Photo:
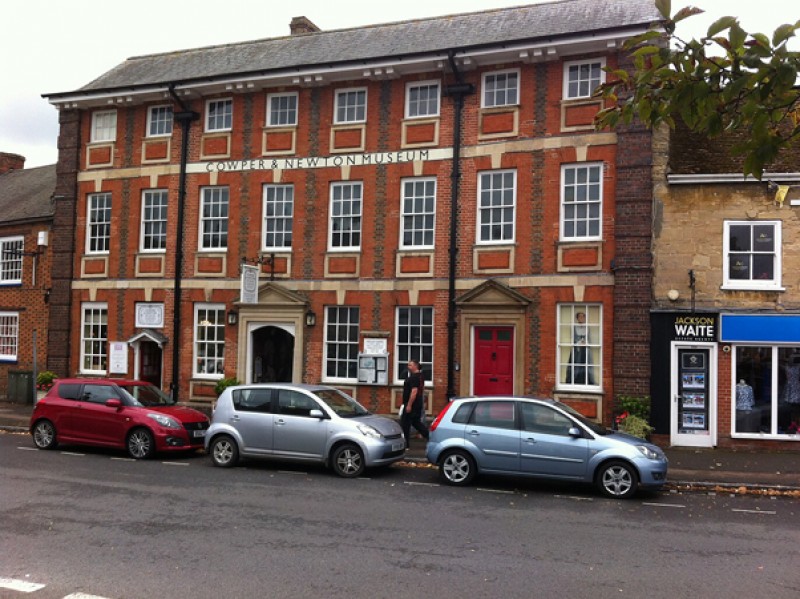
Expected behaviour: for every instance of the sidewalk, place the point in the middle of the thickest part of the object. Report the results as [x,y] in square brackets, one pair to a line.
[687,467]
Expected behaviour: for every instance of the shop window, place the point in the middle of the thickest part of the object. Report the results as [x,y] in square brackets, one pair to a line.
[209,340]
[159,121]
[752,255]
[580,349]
[766,396]
[500,89]
[582,78]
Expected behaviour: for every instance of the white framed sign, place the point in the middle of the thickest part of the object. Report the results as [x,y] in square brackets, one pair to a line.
[249,285]
[150,315]
[117,357]
[373,345]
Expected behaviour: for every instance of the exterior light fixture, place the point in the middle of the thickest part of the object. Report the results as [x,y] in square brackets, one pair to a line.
[233,317]
[311,318]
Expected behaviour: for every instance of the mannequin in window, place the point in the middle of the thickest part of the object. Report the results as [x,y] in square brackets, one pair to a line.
[791,393]
[579,371]
[745,399]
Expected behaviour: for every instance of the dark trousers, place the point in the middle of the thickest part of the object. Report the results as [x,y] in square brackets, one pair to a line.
[415,418]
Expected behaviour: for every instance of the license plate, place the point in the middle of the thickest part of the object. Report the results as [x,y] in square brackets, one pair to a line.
[398,445]
[198,433]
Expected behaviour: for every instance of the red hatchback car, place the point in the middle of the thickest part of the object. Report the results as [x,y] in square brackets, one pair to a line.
[131,415]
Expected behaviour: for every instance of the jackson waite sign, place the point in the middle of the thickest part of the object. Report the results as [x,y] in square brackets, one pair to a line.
[695,327]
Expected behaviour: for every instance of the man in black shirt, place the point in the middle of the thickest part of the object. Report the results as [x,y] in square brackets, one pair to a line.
[413,402]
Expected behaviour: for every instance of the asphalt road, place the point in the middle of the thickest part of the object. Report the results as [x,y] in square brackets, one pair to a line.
[86,521]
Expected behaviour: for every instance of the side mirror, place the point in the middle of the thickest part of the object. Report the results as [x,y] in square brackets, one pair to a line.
[113,403]
[316,414]
[575,432]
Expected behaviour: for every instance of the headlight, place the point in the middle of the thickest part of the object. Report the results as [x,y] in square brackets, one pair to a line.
[165,421]
[369,431]
[648,453]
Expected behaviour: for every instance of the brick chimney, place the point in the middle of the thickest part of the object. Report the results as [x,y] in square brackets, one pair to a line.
[10,162]
[302,25]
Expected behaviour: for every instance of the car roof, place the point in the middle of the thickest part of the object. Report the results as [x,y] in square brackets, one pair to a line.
[552,402]
[298,386]
[82,381]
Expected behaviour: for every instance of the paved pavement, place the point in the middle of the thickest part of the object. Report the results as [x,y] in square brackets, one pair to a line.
[778,470]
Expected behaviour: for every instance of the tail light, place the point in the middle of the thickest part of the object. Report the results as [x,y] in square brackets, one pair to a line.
[436,422]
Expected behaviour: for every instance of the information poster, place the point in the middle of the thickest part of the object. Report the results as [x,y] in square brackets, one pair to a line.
[693,396]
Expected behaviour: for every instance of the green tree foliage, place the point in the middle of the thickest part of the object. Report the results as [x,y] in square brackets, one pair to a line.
[728,80]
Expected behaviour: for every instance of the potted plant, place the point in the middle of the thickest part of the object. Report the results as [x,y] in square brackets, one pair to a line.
[44,382]
[223,383]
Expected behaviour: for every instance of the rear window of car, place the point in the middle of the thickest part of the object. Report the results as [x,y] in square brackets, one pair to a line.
[252,400]
[68,390]
[497,414]
[463,413]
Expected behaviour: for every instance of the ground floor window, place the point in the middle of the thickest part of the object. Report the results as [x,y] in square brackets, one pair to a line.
[209,340]
[414,340]
[766,395]
[579,345]
[9,336]
[341,343]
[94,338]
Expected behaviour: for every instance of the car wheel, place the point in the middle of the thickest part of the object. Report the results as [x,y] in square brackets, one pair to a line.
[224,452]
[457,468]
[347,461]
[140,444]
[44,435]
[617,479]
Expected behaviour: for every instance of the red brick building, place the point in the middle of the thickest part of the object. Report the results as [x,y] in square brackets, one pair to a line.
[327,160]
[26,215]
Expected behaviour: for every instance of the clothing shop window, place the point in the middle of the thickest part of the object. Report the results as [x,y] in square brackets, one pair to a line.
[94,338]
[278,217]
[752,255]
[282,110]
[581,201]
[767,392]
[580,354]
[159,121]
[345,220]
[219,115]
[500,89]
[422,99]
[341,343]
[98,235]
[11,260]
[214,218]
[9,336]
[209,340]
[104,126]
[414,337]
[497,191]
[581,79]
[351,106]
[154,220]
[418,213]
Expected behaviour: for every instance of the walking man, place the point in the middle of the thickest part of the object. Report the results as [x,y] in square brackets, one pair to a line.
[413,402]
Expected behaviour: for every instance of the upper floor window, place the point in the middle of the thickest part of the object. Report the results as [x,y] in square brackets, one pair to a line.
[154,220]
[282,110]
[9,336]
[341,343]
[159,121]
[580,345]
[497,191]
[581,78]
[351,106]
[98,227]
[414,340]
[581,201]
[94,338]
[11,260]
[500,89]
[345,220]
[278,216]
[214,218]
[752,255]
[418,213]
[422,99]
[209,340]
[104,126]
[219,115]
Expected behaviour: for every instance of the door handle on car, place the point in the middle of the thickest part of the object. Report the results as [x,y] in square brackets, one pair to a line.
[234,418]
[474,433]
[280,421]
[530,440]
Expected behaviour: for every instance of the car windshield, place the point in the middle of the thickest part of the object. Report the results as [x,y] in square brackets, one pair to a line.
[598,429]
[147,395]
[344,405]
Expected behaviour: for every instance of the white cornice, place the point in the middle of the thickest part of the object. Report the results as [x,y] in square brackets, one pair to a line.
[711,178]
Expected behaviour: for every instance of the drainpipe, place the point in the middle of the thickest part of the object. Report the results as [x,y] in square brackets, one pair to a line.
[185,117]
[457,91]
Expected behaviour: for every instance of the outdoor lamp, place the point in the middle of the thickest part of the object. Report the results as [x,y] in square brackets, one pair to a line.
[311,318]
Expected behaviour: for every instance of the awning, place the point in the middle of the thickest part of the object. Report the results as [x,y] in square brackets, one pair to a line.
[148,335]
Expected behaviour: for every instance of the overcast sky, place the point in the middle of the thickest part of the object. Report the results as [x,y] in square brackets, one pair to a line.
[60,45]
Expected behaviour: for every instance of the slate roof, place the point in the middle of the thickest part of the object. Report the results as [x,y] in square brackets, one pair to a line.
[25,194]
[400,39]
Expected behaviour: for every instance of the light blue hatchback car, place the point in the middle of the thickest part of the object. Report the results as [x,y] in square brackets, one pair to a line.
[524,436]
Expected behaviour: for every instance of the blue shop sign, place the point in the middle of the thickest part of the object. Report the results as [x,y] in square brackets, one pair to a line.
[760,328]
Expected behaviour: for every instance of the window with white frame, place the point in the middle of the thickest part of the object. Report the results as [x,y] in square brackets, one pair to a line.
[104,126]
[341,343]
[159,121]
[11,249]
[154,220]
[500,89]
[98,225]
[94,338]
[580,346]
[214,218]
[209,340]
[9,336]
[497,191]
[582,78]
[278,217]
[581,201]
[219,115]
[752,255]
[422,99]
[351,106]
[345,233]
[418,205]
[414,340]
[282,110]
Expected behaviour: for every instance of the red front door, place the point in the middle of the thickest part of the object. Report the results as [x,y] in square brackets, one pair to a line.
[494,361]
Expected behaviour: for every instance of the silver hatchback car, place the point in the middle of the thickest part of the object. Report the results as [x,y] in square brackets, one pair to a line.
[302,423]
[539,438]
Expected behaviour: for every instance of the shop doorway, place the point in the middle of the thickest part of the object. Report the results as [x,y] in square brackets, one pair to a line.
[693,414]
[272,355]
[494,361]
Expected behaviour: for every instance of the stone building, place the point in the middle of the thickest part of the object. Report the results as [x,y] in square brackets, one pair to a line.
[26,215]
[726,317]
[431,189]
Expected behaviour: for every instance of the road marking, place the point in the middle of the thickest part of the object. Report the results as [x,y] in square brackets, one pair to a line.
[72,453]
[574,497]
[675,505]
[124,459]
[765,512]
[176,463]
[23,586]
[83,596]
[292,472]
[416,484]
[28,448]
[500,491]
